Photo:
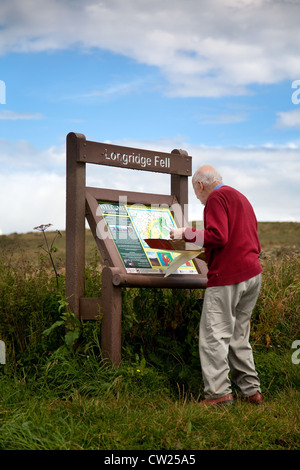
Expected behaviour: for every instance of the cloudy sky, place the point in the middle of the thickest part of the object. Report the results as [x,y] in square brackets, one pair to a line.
[218,78]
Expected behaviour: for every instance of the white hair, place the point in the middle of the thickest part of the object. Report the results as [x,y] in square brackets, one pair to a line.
[206,176]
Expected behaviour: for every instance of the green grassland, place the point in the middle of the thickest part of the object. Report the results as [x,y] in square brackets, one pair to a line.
[275,236]
[57,393]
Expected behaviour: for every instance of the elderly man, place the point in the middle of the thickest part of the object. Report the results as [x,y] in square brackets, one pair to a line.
[232,251]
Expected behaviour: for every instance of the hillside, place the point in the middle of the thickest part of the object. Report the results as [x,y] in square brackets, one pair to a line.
[275,237]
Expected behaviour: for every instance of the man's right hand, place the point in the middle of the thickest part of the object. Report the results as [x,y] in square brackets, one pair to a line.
[177,233]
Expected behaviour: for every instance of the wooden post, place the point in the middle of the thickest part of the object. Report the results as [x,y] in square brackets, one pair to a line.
[111,325]
[179,188]
[75,224]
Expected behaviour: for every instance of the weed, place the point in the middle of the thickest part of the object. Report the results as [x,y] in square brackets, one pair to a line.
[50,248]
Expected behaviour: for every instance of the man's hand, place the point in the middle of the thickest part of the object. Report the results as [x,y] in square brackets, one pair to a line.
[177,233]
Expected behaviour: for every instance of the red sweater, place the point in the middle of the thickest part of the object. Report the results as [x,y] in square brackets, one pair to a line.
[231,242]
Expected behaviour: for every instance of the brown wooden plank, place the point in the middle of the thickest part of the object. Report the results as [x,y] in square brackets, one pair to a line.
[176,162]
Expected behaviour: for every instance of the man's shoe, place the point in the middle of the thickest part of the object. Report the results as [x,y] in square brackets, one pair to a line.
[226,400]
[256,399]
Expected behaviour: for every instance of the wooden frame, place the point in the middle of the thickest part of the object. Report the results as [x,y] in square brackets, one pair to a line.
[81,203]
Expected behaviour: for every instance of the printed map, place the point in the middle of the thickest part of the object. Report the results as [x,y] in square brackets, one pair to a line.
[129,226]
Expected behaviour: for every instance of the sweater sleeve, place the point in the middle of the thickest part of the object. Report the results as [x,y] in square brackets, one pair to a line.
[194,236]
[216,224]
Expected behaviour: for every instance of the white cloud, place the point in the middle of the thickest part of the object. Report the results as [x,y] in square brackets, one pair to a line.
[112,91]
[22,156]
[224,118]
[34,192]
[269,176]
[31,199]
[289,118]
[8,115]
[207,48]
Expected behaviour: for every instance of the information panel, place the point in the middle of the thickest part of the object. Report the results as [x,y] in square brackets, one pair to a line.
[129,225]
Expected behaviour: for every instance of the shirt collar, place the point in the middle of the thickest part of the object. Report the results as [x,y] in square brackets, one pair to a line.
[218,186]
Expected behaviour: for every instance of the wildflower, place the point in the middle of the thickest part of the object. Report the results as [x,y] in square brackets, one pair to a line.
[49,248]
[138,370]
[42,227]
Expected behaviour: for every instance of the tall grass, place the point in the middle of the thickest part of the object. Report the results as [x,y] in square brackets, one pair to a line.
[123,420]
[276,317]
[159,324]
[56,392]
[28,304]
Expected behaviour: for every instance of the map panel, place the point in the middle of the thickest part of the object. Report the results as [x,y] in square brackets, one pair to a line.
[129,225]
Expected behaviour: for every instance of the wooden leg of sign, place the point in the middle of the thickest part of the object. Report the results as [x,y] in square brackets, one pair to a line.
[111,325]
[75,224]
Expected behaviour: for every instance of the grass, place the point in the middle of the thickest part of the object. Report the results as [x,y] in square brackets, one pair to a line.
[130,414]
[56,393]
[274,236]
[279,236]
[128,409]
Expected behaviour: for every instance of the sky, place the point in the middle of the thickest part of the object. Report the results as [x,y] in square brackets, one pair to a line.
[217,78]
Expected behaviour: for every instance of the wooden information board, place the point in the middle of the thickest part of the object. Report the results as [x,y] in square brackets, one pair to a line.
[120,222]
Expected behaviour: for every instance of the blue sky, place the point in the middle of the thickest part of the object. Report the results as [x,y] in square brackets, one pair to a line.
[212,77]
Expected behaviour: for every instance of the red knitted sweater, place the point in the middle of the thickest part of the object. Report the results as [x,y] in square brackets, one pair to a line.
[231,242]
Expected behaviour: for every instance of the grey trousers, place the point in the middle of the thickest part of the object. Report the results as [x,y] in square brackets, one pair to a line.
[224,338]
